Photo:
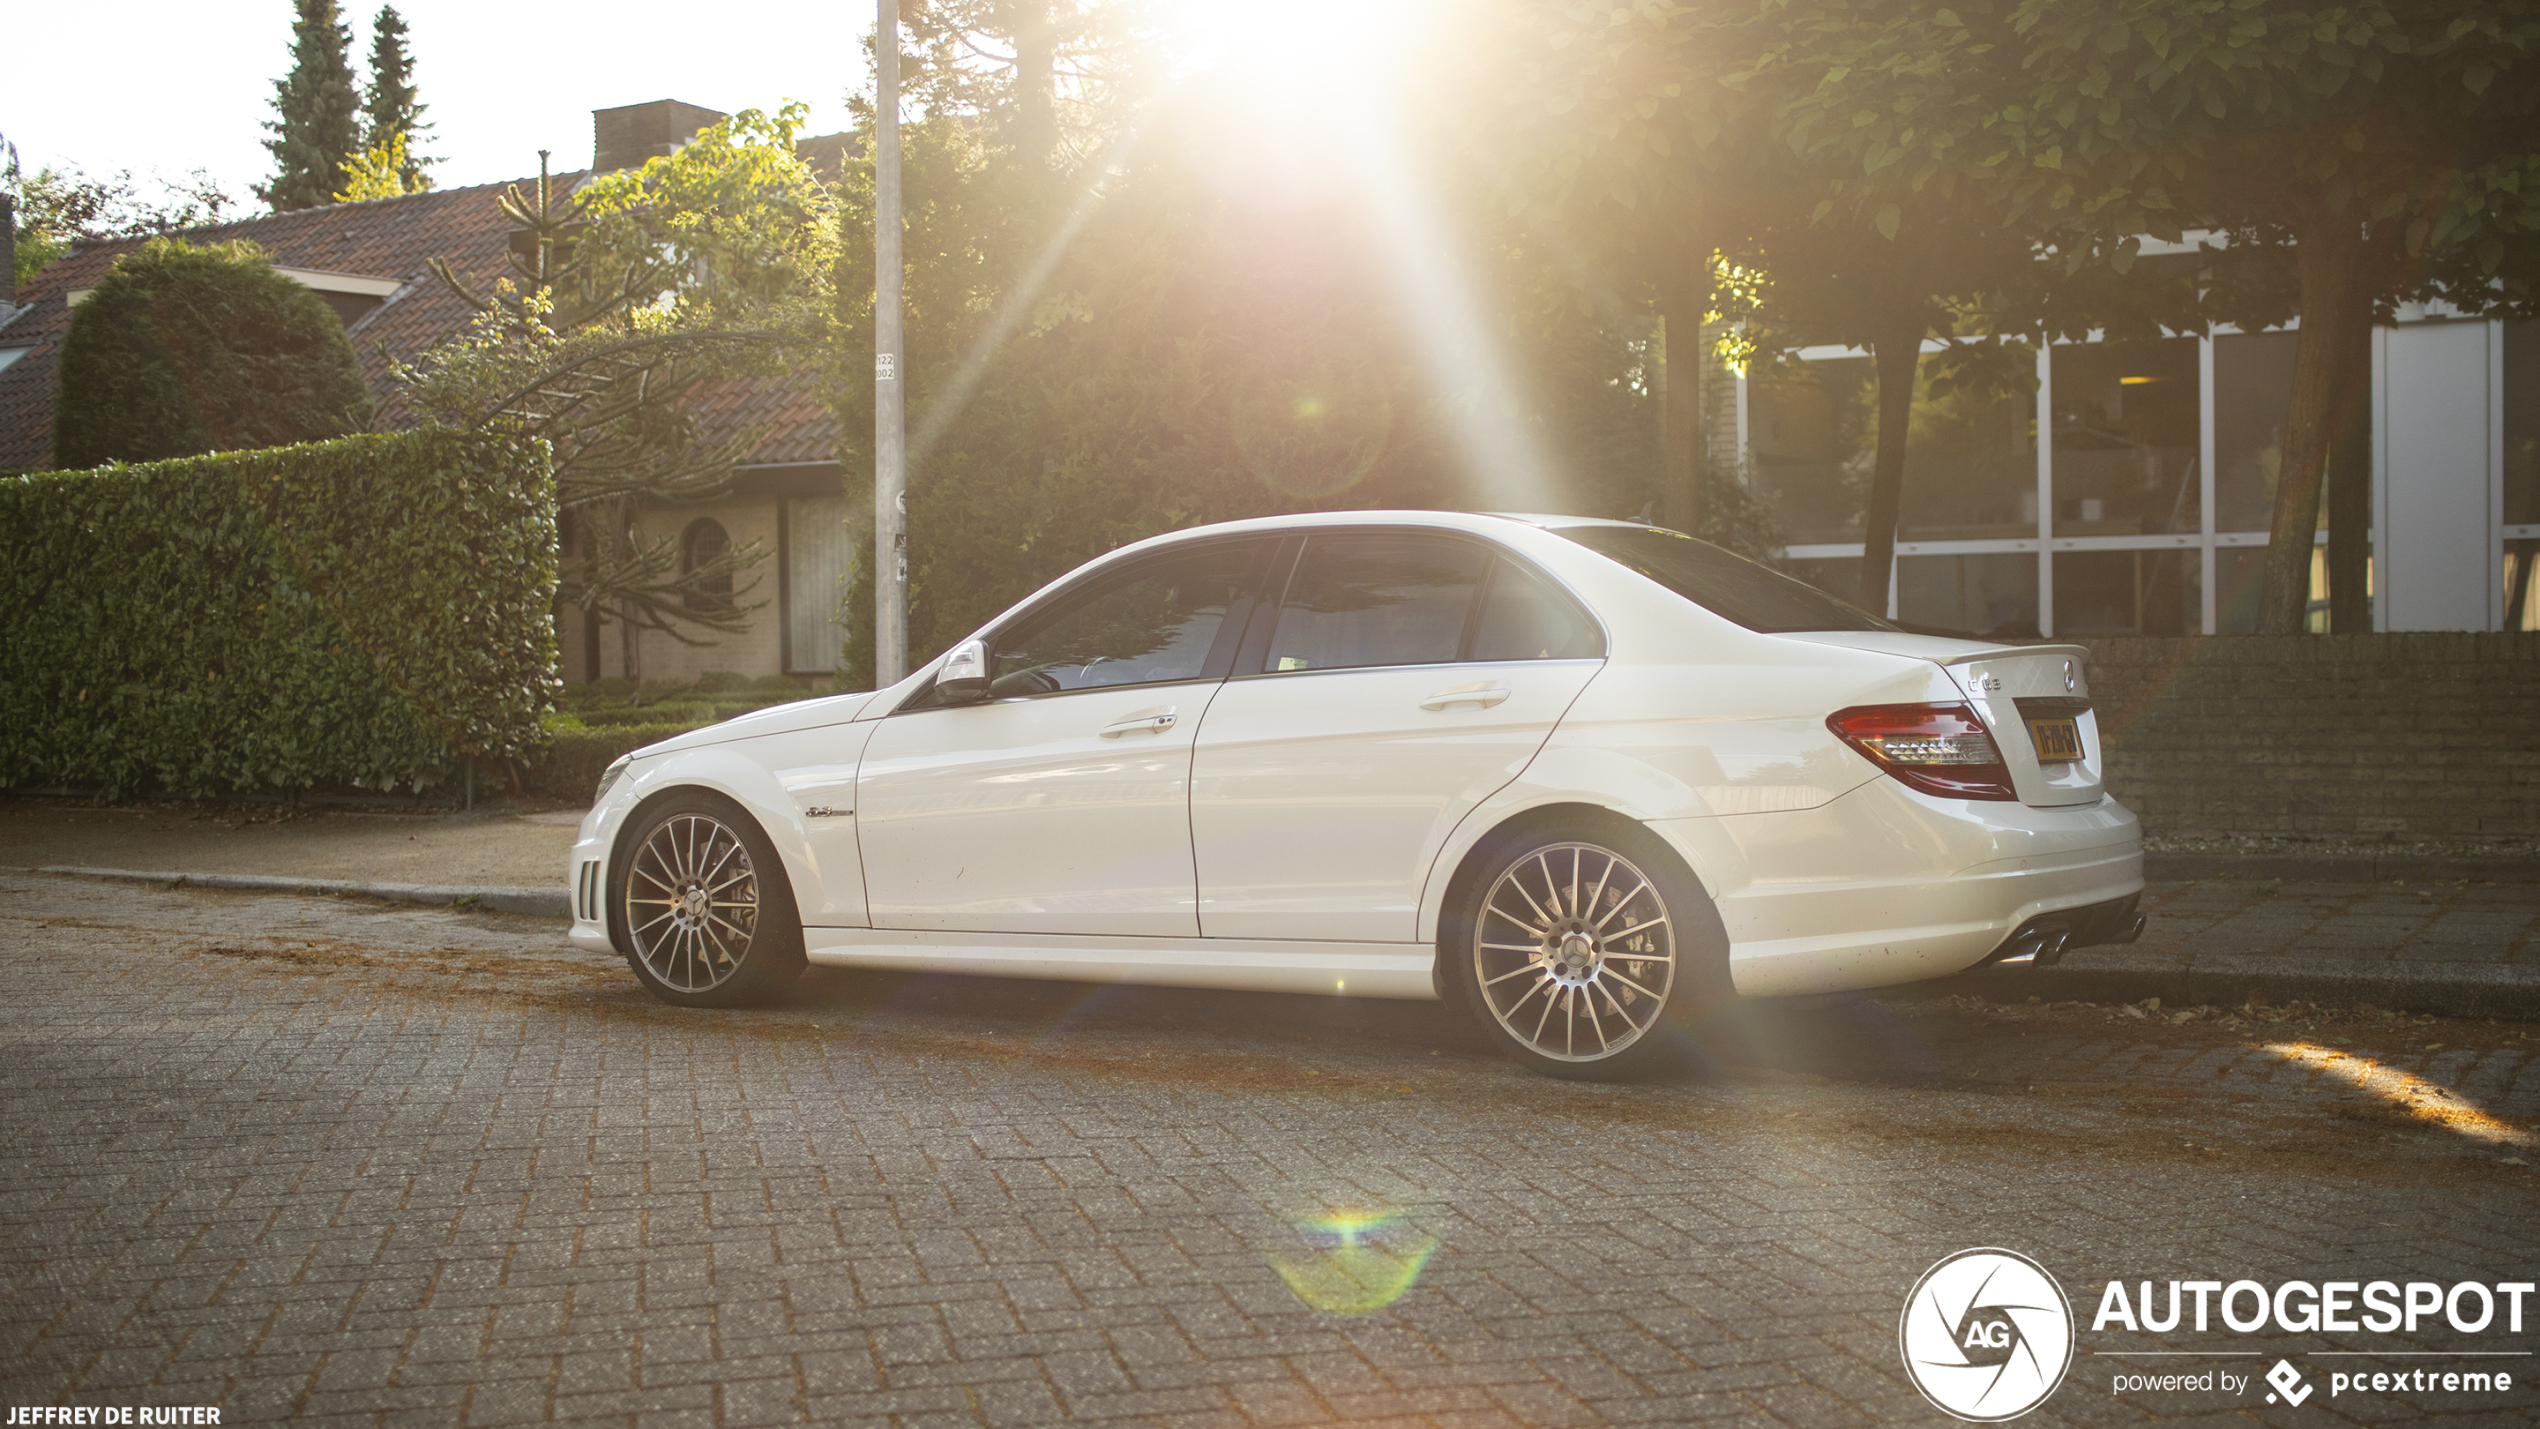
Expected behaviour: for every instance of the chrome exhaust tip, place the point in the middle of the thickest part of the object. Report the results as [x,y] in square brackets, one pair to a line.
[2022,951]
[2051,951]
[2134,929]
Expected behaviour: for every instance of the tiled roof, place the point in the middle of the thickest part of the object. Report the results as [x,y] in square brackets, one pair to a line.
[383,238]
[795,425]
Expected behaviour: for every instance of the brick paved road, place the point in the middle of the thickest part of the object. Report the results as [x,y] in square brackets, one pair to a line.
[296,1157]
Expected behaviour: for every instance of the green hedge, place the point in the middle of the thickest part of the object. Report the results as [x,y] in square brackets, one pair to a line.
[577,757]
[346,612]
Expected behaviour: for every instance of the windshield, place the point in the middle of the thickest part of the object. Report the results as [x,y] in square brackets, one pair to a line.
[1723,582]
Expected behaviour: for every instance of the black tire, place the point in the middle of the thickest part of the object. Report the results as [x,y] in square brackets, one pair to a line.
[1585,948]
[700,905]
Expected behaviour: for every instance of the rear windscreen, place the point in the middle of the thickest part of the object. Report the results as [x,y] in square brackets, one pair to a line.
[1723,582]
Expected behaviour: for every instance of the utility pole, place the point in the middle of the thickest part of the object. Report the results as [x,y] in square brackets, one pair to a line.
[890,419]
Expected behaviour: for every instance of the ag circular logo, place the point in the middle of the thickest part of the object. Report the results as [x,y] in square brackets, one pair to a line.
[1986,1335]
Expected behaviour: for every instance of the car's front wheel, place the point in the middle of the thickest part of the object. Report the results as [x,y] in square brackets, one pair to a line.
[1576,946]
[702,909]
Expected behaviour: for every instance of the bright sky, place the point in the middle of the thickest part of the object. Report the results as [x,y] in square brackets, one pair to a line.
[174,85]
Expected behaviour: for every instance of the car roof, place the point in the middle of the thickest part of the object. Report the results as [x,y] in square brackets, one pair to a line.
[1475,522]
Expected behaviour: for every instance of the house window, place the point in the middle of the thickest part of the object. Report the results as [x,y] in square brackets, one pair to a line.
[700,547]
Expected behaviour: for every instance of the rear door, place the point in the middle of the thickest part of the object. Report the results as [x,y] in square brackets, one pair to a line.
[1401,678]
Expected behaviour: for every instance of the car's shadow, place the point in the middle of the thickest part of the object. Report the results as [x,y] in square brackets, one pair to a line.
[1854,1037]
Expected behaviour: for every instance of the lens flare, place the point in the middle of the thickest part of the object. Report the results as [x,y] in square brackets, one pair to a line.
[1362,1261]
[1312,429]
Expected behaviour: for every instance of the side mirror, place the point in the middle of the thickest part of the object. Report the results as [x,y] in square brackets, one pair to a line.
[964,678]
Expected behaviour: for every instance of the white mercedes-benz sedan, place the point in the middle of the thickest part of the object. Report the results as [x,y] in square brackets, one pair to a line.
[1588,779]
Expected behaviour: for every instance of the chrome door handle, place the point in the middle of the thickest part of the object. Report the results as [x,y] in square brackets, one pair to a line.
[1483,695]
[1142,724]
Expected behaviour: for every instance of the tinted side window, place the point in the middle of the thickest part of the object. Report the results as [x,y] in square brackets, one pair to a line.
[1376,598]
[1523,618]
[1152,622]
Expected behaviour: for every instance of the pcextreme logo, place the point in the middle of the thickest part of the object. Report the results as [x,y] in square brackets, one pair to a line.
[1987,1335]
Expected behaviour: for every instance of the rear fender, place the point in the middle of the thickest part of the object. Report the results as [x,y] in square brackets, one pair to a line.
[1584,779]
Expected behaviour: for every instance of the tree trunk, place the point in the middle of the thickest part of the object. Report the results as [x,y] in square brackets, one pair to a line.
[2350,491]
[1035,81]
[1897,345]
[1684,295]
[2337,273]
[2350,494]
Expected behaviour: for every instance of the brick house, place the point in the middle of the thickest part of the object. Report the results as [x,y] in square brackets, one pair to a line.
[368,261]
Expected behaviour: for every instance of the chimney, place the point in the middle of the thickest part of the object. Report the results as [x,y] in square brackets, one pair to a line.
[625,137]
[8,254]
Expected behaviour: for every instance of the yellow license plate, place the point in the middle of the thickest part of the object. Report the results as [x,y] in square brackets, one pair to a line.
[2058,741]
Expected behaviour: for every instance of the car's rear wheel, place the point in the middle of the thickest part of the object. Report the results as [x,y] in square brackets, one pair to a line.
[702,908]
[1577,945]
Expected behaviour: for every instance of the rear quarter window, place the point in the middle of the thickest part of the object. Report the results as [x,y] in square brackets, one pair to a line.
[1723,582]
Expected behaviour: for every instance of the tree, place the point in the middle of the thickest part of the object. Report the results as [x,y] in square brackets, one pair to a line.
[392,121]
[181,350]
[631,300]
[1054,82]
[381,172]
[1164,335]
[1627,148]
[2367,149]
[1872,242]
[1888,288]
[59,207]
[315,126]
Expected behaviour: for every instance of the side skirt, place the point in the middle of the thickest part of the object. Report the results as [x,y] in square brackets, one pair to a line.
[1393,970]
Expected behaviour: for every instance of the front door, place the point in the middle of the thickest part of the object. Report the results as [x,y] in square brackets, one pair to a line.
[1061,803]
[1408,676]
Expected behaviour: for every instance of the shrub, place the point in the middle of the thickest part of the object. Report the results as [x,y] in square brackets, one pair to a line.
[577,757]
[182,350]
[679,715]
[355,611]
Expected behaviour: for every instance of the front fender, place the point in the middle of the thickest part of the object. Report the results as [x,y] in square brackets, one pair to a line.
[723,769]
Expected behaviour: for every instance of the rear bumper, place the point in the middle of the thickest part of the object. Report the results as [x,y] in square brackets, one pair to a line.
[2043,940]
[1885,885]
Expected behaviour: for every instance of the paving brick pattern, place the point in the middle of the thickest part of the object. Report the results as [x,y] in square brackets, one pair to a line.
[299,1158]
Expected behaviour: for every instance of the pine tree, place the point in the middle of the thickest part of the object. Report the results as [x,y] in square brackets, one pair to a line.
[316,128]
[389,110]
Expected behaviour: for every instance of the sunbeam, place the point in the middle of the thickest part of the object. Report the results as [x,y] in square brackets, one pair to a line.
[2405,1091]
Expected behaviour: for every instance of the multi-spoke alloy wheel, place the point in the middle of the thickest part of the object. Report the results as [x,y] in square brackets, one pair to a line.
[1574,952]
[705,918]
[692,902]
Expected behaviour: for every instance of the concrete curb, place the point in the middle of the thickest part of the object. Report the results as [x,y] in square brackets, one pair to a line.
[2338,867]
[2091,975]
[531,902]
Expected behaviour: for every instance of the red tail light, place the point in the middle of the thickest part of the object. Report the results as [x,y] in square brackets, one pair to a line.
[1939,749]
